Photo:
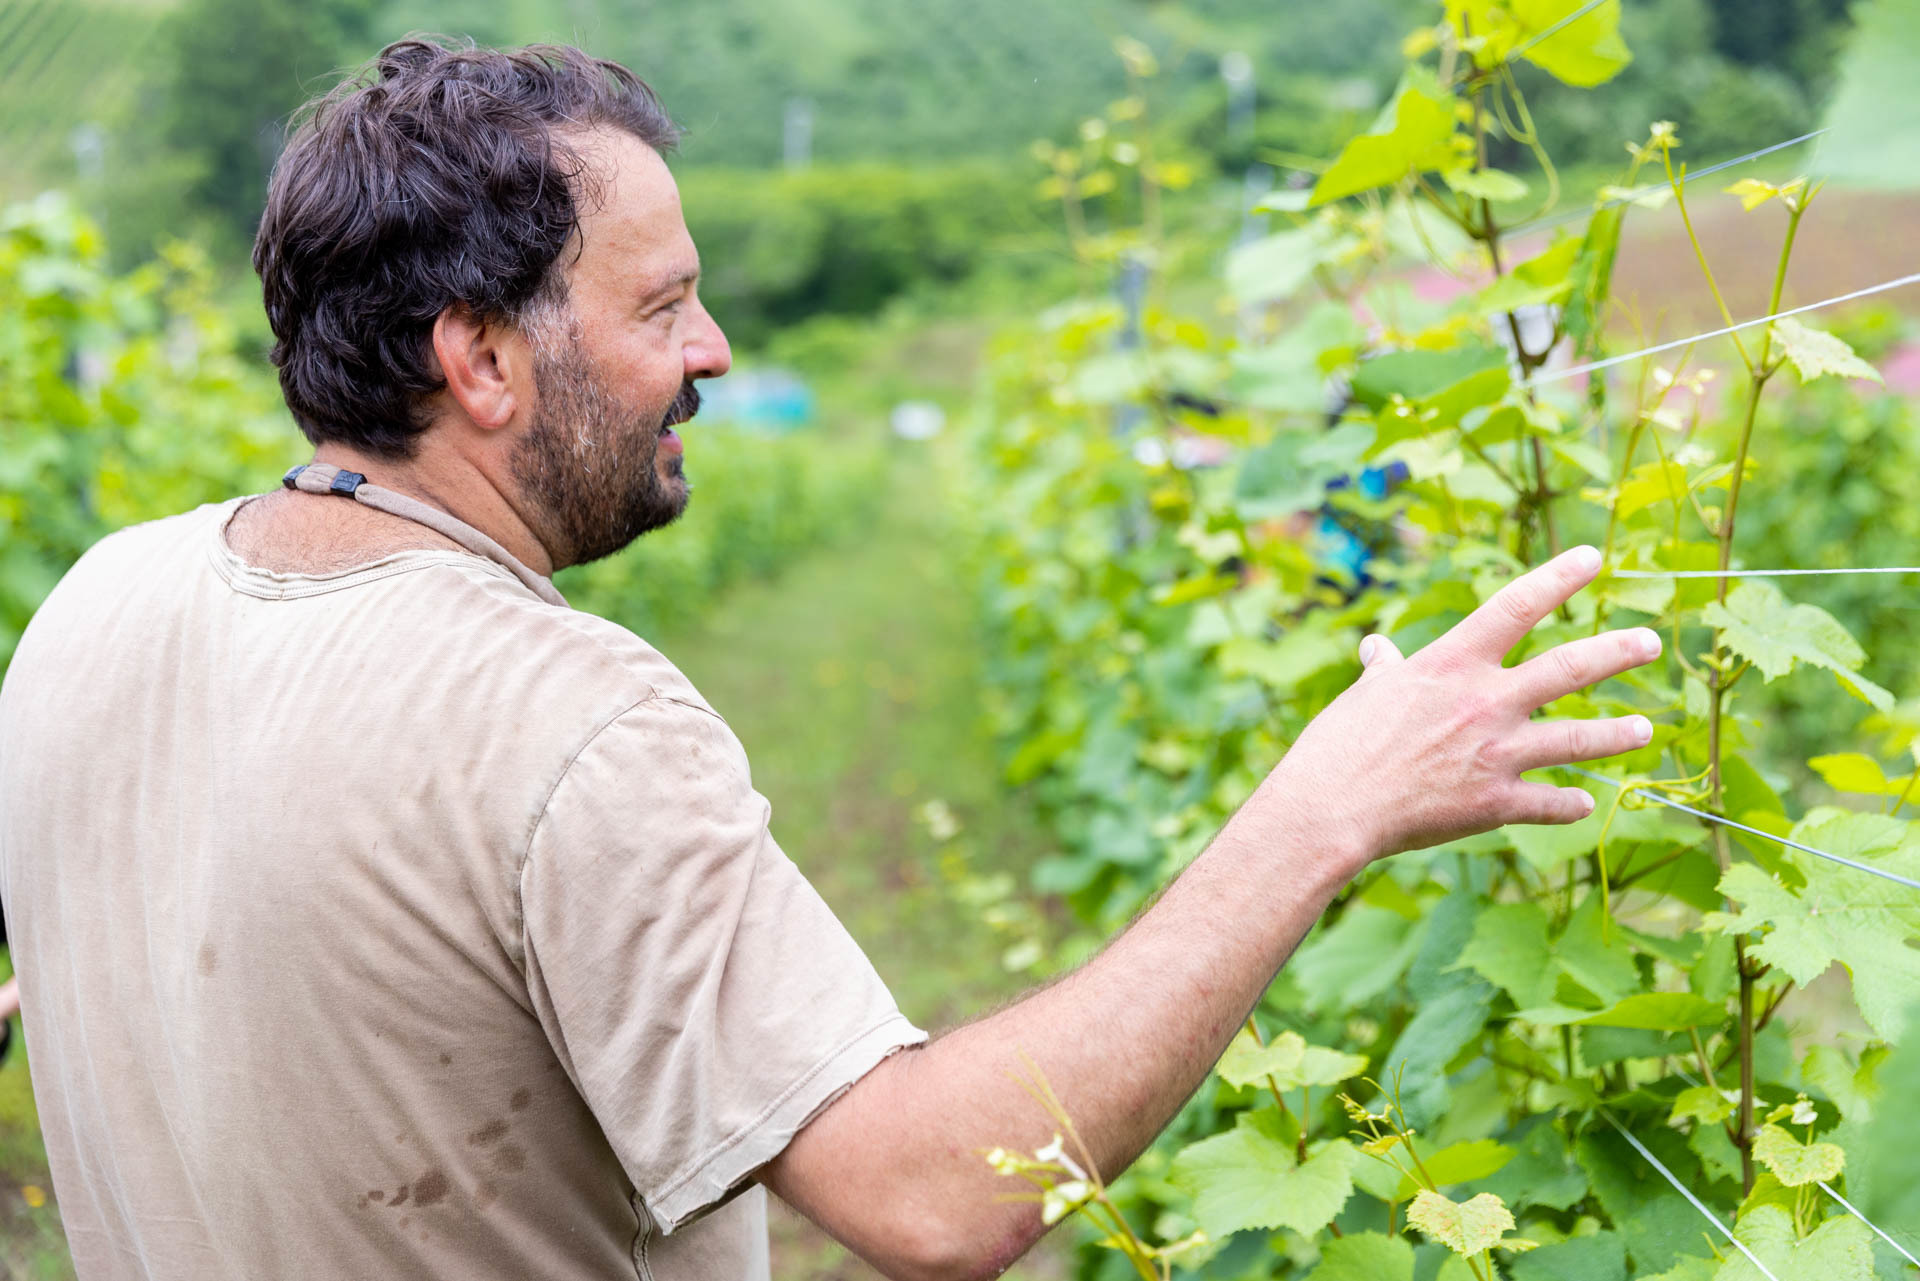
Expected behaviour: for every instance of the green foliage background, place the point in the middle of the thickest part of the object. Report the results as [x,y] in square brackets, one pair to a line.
[126,396]
[1447,1056]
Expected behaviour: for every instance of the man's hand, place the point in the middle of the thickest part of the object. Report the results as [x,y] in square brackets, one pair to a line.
[1419,750]
[1427,749]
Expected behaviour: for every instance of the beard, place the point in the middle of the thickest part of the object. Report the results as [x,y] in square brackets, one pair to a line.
[589,463]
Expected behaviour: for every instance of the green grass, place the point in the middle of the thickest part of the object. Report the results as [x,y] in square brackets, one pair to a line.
[32,1247]
[854,681]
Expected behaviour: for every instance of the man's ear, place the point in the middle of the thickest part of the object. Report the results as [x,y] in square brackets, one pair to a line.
[488,366]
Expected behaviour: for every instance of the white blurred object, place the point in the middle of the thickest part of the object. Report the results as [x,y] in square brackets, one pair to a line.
[1150,451]
[1537,323]
[918,420]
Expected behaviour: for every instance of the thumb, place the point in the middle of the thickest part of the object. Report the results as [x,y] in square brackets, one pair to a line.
[1377,651]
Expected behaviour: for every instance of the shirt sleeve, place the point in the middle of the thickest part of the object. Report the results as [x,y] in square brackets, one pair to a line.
[705,1001]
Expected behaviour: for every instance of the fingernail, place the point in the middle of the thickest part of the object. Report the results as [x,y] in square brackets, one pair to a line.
[1647,641]
[1367,649]
[1585,558]
[1642,730]
[1587,799]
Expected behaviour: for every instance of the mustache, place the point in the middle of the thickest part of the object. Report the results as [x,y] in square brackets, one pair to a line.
[685,405]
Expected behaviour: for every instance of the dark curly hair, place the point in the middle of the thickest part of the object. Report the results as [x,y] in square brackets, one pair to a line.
[438,176]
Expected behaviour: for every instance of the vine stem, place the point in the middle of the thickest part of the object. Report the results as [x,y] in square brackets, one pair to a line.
[1718,682]
[1300,1150]
[1538,503]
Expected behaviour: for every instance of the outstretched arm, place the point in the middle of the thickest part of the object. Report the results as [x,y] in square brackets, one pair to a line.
[1418,751]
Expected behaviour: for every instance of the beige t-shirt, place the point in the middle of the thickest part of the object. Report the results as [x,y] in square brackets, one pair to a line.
[397,923]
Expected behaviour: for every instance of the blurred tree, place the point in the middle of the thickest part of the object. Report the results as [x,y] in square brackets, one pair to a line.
[231,73]
[1727,87]
[1801,34]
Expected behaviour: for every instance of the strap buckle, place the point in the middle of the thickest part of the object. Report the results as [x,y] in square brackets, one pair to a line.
[344,483]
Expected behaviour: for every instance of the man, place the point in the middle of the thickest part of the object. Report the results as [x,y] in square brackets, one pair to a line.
[377,915]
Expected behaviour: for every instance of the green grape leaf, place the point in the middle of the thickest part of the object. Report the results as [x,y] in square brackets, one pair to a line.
[1759,624]
[1414,134]
[1460,1163]
[1450,381]
[1853,772]
[1445,1023]
[1600,1257]
[1485,184]
[1592,282]
[1586,52]
[1365,1256]
[1250,1177]
[1660,1228]
[1548,846]
[1544,278]
[1275,266]
[1288,1061]
[1542,1172]
[1814,352]
[1649,483]
[1659,1012]
[1289,474]
[1754,192]
[1854,1087]
[1463,1227]
[1688,1269]
[1841,915]
[1703,1103]
[1302,652]
[1510,949]
[1840,1249]
[1595,953]
[1794,1163]
[1354,959]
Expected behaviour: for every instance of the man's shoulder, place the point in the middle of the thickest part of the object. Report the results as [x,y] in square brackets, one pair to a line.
[583,643]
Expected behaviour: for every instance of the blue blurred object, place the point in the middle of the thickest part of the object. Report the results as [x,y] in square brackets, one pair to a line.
[1344,541]
[772,400]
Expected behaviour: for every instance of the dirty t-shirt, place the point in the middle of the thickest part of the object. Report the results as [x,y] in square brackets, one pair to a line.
[397,923]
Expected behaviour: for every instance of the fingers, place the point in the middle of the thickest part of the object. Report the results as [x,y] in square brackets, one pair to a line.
[1543,803]
[1510,613]
[1584,662]
[1378,651]
[1545,743]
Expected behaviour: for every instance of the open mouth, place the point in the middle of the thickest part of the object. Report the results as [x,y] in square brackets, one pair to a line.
[684,406]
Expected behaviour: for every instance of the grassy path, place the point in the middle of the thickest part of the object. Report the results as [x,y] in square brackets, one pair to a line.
[854,681]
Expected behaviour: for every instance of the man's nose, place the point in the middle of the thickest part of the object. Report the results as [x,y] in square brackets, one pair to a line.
[707,353]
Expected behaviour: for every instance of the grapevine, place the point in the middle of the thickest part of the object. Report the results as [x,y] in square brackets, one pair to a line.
[1486,1050]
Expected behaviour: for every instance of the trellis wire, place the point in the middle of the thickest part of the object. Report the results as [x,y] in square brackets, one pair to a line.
[1690,175]
[1875,1228]
[1555,375]
[1872,1226]
[1841,859]
[1695,1201]
[1763,573]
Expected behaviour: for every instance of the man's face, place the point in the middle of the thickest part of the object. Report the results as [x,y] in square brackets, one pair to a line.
[614,366]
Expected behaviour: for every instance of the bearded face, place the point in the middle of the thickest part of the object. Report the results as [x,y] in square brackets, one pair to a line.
[599,470]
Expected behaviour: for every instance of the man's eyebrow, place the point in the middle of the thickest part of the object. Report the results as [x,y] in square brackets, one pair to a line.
[689,276]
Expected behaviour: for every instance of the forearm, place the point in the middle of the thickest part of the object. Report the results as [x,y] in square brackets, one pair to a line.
[1123,1042]
[1417,752]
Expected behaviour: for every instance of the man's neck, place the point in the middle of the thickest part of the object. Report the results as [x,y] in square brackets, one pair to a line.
[466,489]
[296,532]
